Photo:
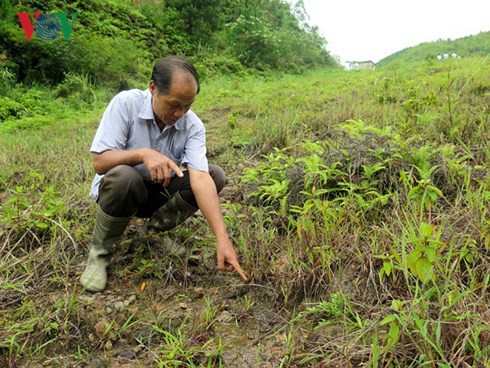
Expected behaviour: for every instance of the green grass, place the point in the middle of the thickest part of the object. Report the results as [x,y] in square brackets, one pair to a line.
[359,204]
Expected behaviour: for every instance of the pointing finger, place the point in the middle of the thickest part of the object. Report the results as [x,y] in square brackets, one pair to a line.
[176,169]
[239,270]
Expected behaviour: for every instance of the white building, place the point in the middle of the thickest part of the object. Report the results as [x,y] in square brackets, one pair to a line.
[361,64]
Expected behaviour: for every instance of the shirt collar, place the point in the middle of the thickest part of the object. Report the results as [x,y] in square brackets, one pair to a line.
[146,112]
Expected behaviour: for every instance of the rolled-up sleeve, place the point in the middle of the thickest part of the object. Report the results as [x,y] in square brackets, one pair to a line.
[112,133]
[195,149]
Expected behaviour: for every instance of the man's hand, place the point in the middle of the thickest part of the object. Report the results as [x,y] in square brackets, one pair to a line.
[160,166]
[228,259]
[207,199]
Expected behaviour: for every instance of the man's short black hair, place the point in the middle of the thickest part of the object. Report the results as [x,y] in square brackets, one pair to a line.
[163,71]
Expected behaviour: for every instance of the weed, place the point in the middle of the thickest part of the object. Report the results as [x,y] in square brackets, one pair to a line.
[176,351]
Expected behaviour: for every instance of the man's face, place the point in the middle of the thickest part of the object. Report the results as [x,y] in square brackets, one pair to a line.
[172,106]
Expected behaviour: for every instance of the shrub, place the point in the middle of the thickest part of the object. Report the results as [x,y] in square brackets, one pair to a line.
[9,108]
[7,81]
[76,86]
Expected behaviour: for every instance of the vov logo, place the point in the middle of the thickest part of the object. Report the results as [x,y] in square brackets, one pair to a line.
[47,26]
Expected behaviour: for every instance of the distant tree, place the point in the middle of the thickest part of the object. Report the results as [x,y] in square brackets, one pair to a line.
[200,19]
[268,35]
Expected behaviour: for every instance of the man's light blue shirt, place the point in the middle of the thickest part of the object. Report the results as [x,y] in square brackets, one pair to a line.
[128,123]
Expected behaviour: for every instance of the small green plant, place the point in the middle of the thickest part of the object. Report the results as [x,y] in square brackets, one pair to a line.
[424,258]
[76,87]
[272,176]
[177,350]
[315,221]
[248,303]
[146,266]
[396,322]
[418,252]
[389,263]
[329,311]
[210,312]
[7,81]
[424,194]
[36,207]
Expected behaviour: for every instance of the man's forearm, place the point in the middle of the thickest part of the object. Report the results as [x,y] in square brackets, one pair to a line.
[207,199]
[106,160]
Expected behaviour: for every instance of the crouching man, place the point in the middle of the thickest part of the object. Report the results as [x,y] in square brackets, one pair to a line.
[143,140]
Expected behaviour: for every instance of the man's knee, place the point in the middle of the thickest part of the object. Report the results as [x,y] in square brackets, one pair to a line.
[219,177]
[120,180]
[122,190]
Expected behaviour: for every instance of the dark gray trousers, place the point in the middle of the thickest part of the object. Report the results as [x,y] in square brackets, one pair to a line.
[123,191]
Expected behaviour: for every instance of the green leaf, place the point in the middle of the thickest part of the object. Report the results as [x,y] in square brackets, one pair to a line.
[443,365]
[460,296]
[412,259]
[438,333]
[430,253]
[414,193]
[425,270]
[435,190]
[375,351]
[397,304]
[394,333]
[426,230]
[433,196]
[389,318]
[387,266]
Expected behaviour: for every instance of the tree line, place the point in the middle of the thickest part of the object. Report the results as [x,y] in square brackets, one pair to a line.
[114,42]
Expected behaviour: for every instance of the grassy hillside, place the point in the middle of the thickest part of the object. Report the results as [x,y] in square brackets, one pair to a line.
[471,46]
[358,202]
[113,45]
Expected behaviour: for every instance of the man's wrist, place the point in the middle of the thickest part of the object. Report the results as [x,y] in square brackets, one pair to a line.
[140,154]
[223,241]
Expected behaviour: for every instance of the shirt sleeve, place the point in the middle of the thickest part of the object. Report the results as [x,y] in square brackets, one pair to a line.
[195,150]
[112,133]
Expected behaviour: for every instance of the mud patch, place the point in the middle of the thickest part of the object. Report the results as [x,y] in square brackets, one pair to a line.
[217,316]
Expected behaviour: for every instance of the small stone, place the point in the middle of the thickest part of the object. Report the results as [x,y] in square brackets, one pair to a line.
[126,356]
[136,349]
[91,338]
[225,317]
[97,363]
[132,298]
[144,335]
[121,344]
[86,298]
[101,327]
[182,305]
[119,305]
[133,309]
[108,310]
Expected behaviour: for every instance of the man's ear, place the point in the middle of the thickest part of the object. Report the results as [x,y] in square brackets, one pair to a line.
[152,87]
